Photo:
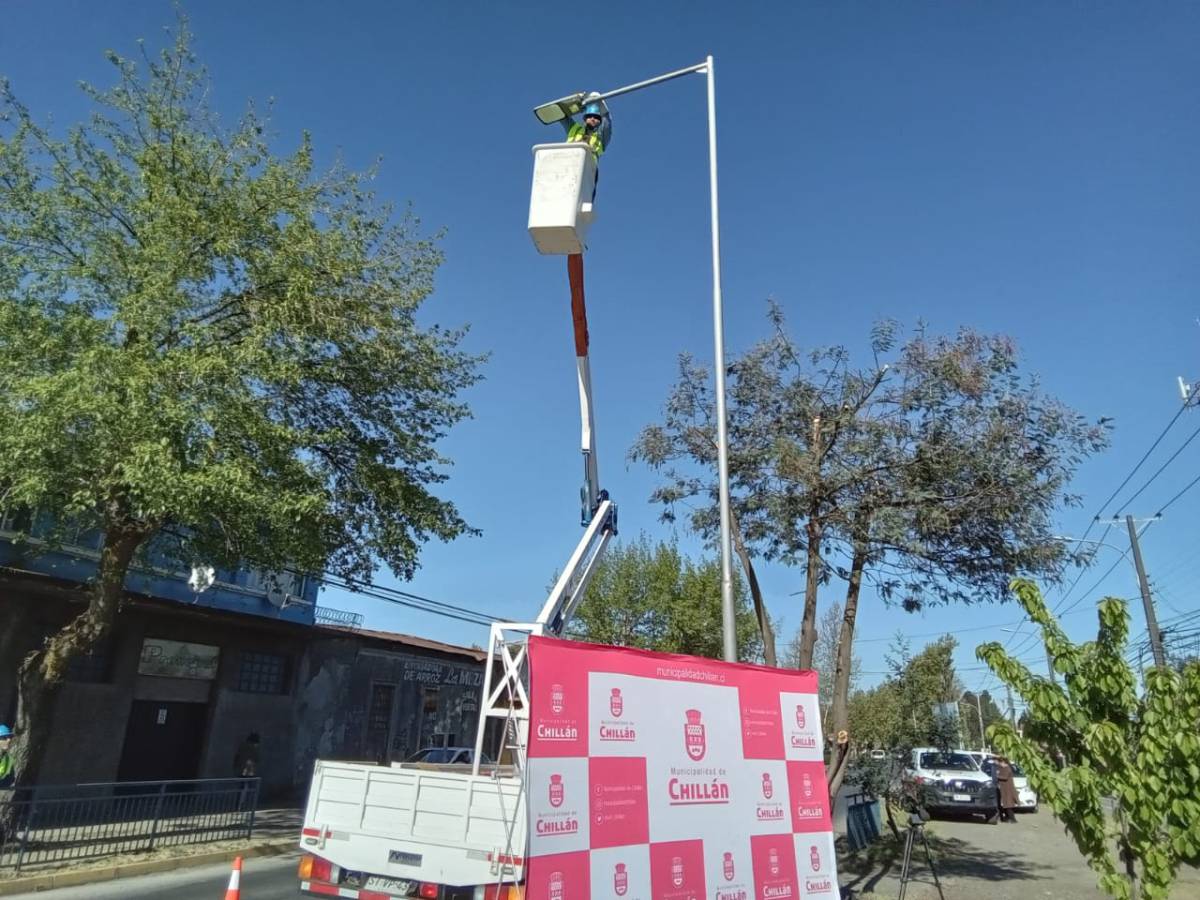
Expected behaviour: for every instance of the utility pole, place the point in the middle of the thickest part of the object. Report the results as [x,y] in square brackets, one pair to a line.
[1156,646]
[979,710]
[1012,710]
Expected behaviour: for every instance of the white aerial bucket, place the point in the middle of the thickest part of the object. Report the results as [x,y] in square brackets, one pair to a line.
[560,204]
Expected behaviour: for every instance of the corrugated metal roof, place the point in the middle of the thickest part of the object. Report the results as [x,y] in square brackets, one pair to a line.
[407,640]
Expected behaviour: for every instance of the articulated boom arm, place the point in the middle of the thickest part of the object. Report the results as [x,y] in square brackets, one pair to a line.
[568,591]
[505,694]
[590,495]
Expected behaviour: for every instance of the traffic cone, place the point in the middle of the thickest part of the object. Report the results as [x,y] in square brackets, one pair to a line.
[234,891]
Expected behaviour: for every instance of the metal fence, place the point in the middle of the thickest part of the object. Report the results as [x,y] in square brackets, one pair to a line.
[47,824]
[863,819]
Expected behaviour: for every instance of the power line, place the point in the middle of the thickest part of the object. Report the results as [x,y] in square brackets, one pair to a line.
[405,599]
[355,585]
[1191,484]
[1111,569]
[1083,569]
[1159,471]
[1145,456]
[1100,511]
[1183,561]
[944,631]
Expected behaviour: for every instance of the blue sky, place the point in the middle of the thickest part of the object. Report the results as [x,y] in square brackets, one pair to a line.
[1028,169]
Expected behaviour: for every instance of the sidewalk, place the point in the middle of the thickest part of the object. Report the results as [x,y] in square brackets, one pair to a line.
[276,832]
[975,861]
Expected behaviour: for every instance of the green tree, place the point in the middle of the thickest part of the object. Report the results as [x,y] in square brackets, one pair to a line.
[1140,751]
[933,473]
[825,655]
[972,708]
[900,714]
[210,347]
[651,596]
[875,717]
[924,682]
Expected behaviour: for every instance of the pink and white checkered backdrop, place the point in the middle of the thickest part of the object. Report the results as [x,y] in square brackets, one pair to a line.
[662,777]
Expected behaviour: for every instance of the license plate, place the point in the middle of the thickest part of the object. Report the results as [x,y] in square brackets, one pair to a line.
[390,885]
[962,798]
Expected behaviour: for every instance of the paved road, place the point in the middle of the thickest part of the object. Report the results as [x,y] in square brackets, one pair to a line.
[262,879]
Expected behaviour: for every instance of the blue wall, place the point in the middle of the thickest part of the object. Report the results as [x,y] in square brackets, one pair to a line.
[236,591]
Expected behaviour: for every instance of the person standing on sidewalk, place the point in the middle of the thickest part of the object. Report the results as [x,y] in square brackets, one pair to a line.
[245,761]
[1007,789]
[245,765]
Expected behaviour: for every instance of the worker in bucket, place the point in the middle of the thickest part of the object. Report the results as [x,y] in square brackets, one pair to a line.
[7,772]
[595,131]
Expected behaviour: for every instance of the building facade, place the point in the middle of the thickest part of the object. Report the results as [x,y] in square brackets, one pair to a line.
[185,678]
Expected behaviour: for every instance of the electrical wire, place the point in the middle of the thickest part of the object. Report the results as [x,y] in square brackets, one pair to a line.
[1083,569]
[1100,511]
[1158,472]
[1191,484]
[1111,569]
[1145,456]
[355,585]
[410,601]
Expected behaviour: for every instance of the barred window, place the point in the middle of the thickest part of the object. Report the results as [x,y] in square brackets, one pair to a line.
[262,673]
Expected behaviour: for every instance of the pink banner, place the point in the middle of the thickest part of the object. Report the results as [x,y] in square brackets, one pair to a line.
[661,777]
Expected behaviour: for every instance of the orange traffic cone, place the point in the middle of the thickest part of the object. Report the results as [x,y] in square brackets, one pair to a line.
[234,891]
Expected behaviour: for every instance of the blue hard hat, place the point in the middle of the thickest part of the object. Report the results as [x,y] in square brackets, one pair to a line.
[5,731]
[593,109]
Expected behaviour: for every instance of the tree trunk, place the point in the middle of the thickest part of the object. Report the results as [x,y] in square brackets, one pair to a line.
[808,623]
[839,710]
[760,607]
[891,818]
[1125,850]
[42,671]
[16,638]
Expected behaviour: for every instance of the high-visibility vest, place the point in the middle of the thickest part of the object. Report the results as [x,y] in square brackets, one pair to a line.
[592,139]
[6,768]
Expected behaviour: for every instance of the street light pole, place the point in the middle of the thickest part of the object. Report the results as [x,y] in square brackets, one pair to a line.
[728,619]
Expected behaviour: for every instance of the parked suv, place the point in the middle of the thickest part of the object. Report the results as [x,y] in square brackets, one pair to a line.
[950,781]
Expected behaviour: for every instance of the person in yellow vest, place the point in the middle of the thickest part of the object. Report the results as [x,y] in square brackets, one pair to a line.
[595,131]
[7,773]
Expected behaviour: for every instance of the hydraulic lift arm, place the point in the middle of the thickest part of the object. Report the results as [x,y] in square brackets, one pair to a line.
[505,694]
[598,513]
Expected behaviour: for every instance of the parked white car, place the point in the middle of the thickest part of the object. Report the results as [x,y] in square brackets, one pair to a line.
[951,781]
[441,756]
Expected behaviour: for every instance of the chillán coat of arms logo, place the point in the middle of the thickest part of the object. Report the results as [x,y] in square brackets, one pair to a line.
[693,736]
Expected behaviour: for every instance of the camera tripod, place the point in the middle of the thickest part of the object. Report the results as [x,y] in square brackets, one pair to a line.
[916,825]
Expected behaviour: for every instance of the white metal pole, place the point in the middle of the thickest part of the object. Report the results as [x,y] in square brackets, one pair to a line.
[728,621]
